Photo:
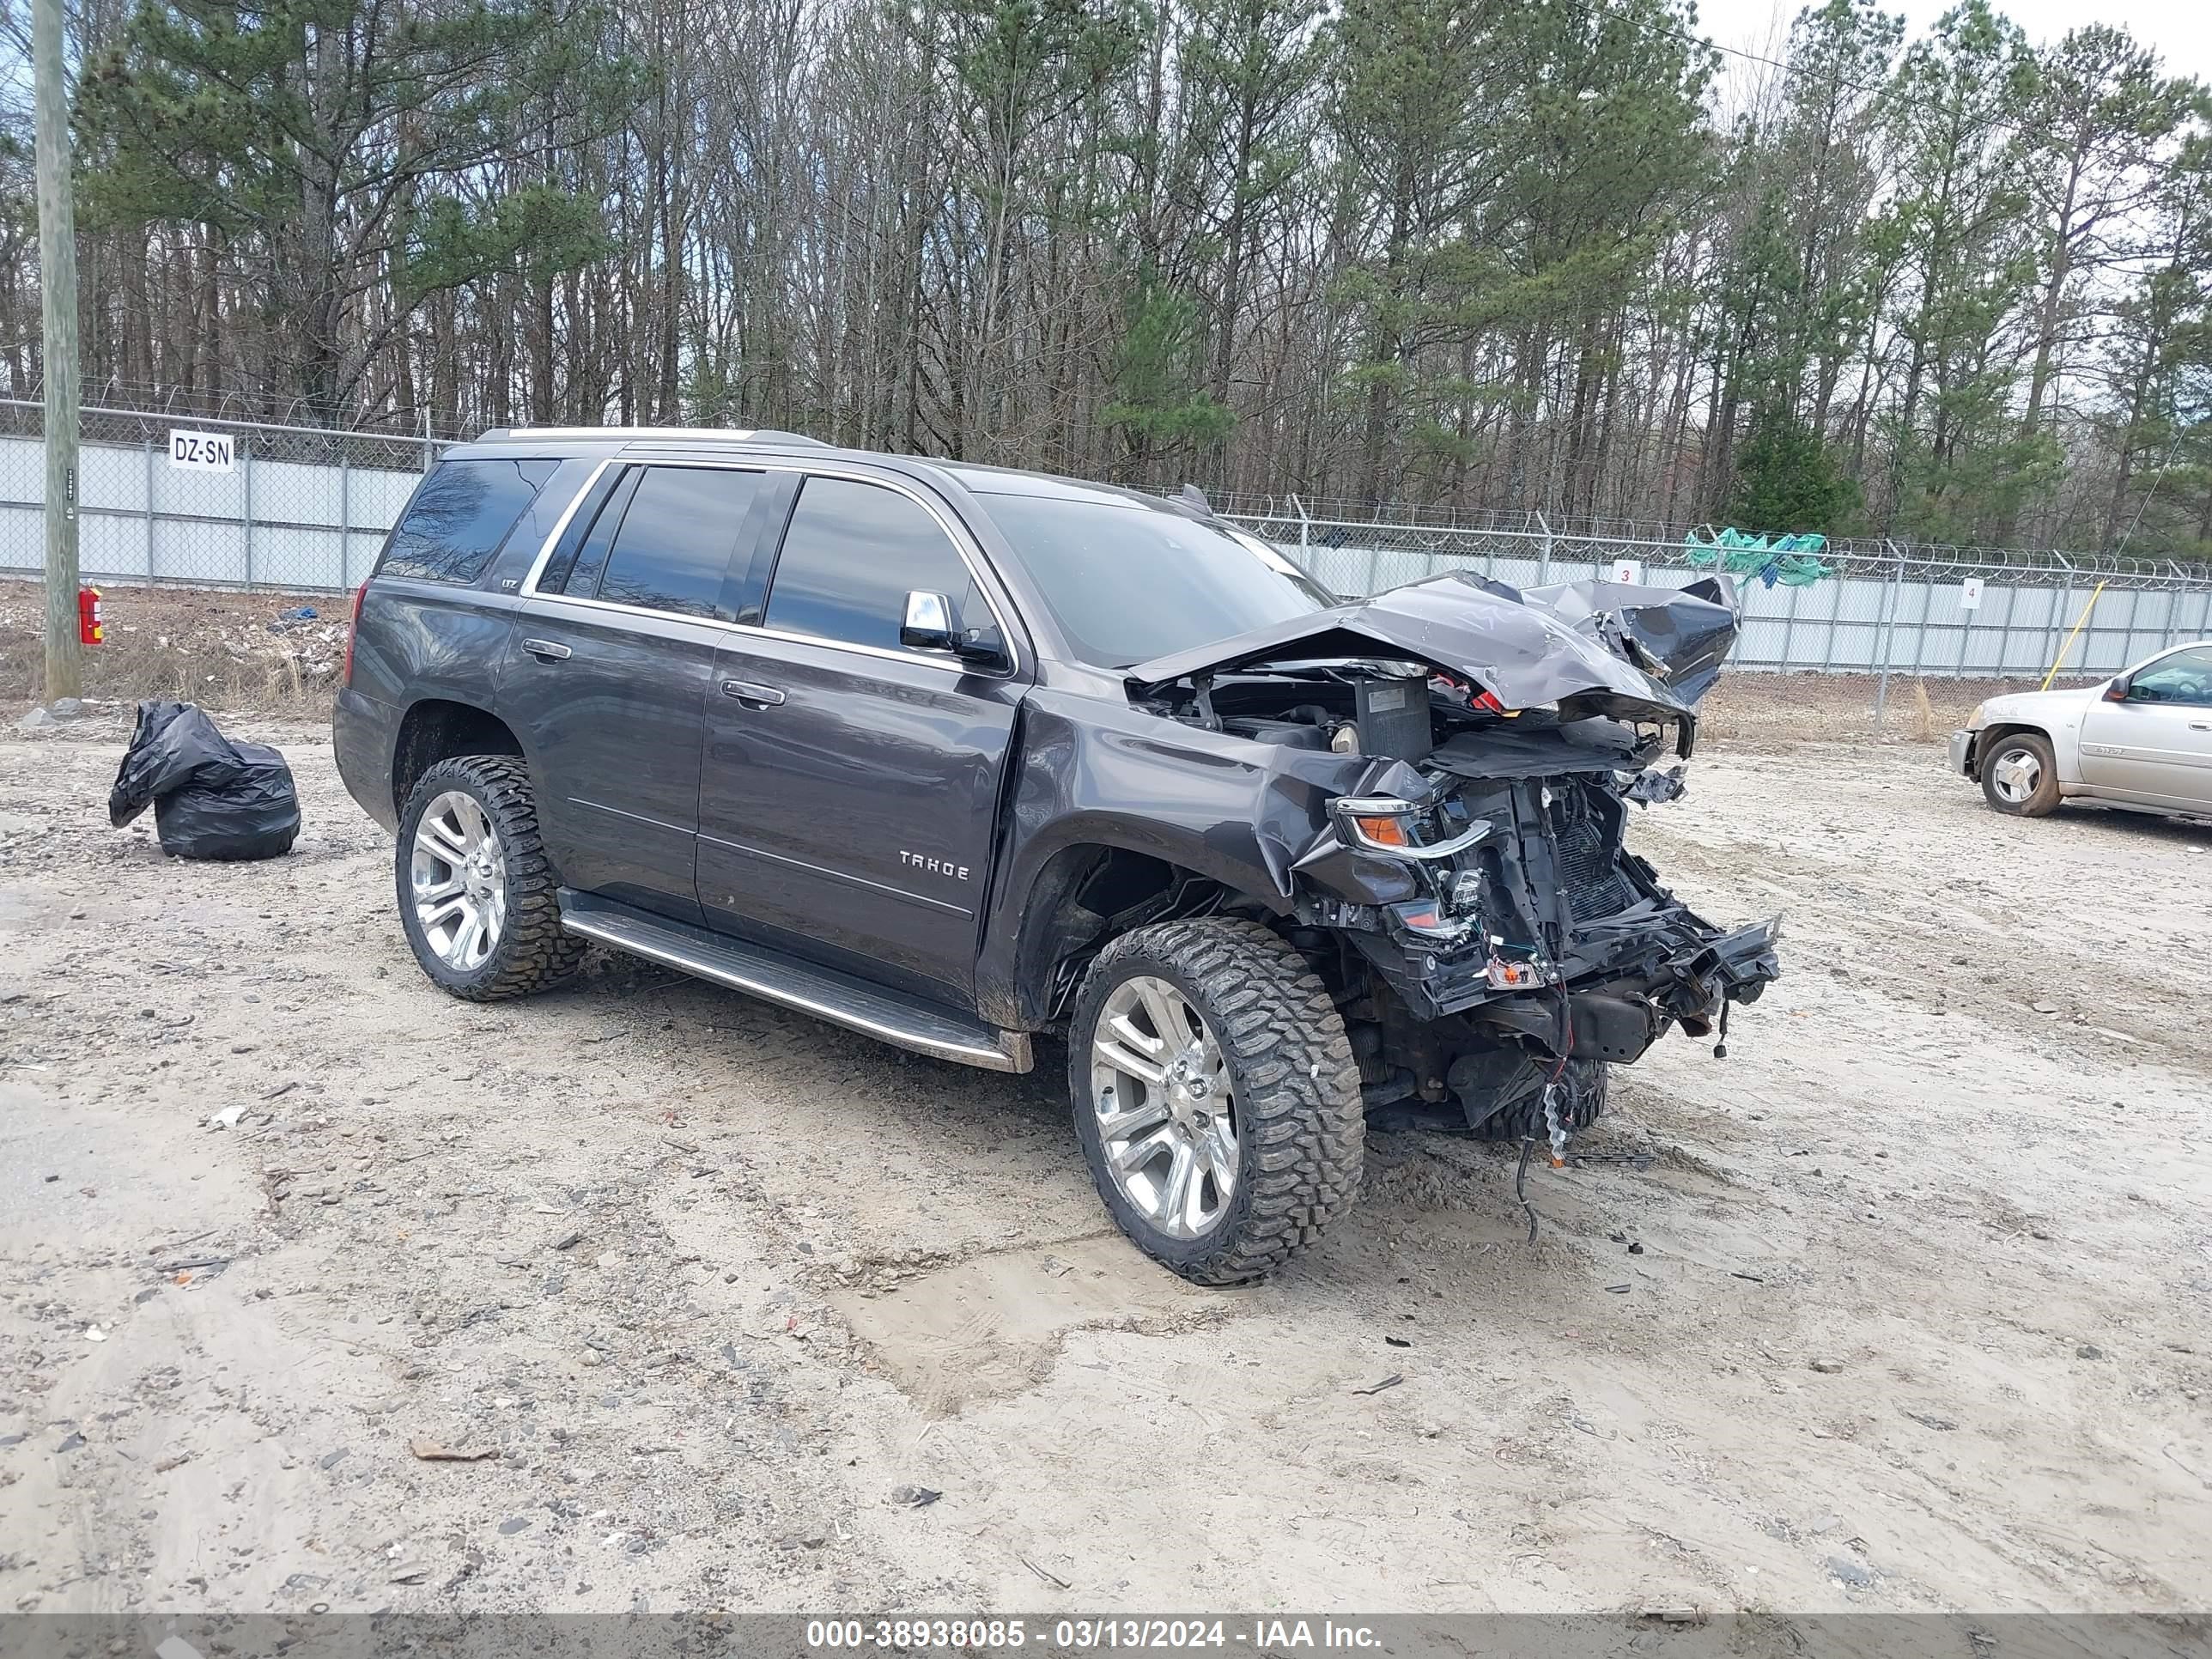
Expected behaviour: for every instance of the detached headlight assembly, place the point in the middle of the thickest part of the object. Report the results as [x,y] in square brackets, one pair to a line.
[1399,829]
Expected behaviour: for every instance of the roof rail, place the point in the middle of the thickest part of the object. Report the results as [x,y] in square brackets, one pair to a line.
[734,435]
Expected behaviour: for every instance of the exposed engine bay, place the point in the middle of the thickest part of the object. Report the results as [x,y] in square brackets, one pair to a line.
[1462,860]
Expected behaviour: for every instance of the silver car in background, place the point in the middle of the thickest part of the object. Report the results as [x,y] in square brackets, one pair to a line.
[2142,741]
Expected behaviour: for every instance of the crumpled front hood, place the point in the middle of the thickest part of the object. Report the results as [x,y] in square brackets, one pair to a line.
[1575,646]
[1682,634]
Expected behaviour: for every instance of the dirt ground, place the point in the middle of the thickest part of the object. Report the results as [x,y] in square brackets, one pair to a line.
[225,650]
[1905,1304]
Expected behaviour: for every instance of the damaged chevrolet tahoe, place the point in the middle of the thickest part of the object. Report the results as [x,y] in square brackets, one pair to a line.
[963,758]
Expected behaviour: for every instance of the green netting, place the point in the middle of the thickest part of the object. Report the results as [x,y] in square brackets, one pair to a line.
[1790,560]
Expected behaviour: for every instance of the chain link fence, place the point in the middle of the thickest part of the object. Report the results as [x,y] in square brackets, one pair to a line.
[199,501]
[1808,603]
[203,502]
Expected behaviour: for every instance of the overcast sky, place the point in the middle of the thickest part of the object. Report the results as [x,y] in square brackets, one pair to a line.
[2180,29]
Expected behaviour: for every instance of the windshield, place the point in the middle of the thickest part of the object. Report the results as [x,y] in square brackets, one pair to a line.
[1127,584]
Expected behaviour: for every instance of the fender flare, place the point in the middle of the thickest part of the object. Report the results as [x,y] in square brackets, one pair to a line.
[1025,940]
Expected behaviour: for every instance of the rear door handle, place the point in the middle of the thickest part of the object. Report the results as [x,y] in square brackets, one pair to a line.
[545,650]
[2200,725]
[745,692]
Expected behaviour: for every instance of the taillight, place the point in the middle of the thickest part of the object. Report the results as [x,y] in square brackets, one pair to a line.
[353,628]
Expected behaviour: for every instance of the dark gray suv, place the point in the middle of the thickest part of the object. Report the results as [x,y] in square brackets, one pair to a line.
[961,758]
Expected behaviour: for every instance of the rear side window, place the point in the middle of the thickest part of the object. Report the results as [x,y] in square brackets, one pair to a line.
[852,553]
[459,517]
[672,551]
[576,568]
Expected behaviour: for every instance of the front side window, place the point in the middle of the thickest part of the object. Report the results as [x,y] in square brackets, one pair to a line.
[460,518]
[852,553]
[1127,584]
[2184,677]
[672,551]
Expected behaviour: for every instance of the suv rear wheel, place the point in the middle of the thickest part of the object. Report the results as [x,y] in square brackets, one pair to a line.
[1215,1095]
[477,893]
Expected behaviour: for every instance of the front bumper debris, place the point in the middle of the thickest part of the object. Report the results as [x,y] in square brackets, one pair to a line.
[1962,753]
[1617,1016]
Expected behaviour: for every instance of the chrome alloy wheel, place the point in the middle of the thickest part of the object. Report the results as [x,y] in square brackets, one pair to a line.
[457,873]
[1167,1125]
[2017,776]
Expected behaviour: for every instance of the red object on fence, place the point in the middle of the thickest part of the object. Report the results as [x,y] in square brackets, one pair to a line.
[89,629]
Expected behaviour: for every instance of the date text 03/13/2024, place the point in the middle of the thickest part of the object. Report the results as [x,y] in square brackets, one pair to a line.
[1255,1635]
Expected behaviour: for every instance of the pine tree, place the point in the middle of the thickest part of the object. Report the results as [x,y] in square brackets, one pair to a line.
[2102,124]
[1410,77]
[1956,229]
[1161,406]
[334,142]
[1786,480]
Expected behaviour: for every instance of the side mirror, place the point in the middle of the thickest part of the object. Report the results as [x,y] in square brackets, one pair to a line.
[927,626]
[2117,691]
[928,623]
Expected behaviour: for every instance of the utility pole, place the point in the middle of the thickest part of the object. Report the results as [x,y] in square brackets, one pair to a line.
[58,298]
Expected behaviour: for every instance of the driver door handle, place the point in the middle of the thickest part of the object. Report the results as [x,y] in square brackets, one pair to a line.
[545,650]
[766,697]
[2200,725]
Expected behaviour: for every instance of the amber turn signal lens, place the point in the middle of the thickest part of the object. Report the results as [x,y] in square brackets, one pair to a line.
[1504,975]
[1384,832]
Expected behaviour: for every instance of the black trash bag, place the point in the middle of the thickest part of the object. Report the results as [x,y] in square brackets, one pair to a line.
[212,799]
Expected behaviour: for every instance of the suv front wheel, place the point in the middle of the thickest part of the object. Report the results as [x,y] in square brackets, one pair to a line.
[2020,775]
[477,895]
[1216,1096]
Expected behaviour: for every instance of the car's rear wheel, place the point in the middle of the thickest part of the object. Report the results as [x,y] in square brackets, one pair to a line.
[1215,1096]
[478,896]
[2020,775]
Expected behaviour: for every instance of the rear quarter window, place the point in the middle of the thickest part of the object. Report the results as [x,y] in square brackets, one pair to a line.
[460,518]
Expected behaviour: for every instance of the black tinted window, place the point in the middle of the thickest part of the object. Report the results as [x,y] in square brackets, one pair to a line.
[673,550]
[852,553]
[459,517]
[575,567]
[1127,584]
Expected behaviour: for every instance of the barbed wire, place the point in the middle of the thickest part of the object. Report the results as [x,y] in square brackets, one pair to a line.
[1442,535]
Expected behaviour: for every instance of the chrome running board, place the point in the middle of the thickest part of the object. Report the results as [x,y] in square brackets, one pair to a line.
[824,993]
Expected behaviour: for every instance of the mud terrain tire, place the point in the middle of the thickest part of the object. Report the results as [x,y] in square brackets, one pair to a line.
[532,953]
[1294,1092]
